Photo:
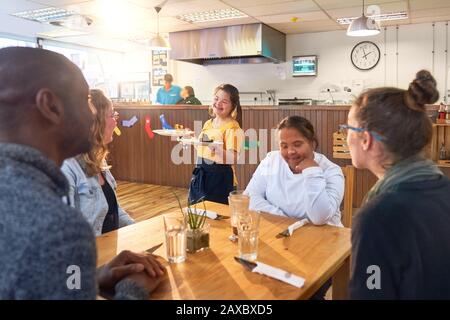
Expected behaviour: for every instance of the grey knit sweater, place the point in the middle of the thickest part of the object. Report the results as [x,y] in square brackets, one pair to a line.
[43,241]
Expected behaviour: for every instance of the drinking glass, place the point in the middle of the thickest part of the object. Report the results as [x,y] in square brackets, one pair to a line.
[248,234]
[175,231]
[238,202]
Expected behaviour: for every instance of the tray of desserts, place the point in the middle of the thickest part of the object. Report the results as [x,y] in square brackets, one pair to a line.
[174,132]
[203,141]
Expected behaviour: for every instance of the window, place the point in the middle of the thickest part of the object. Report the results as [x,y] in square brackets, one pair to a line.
[99,67]
[9,42]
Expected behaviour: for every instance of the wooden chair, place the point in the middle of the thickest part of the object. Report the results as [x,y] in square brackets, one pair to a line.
[340,148]
[347,212]
[341,151]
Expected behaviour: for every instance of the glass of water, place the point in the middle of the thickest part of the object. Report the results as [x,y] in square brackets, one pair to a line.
[239,203]
[175,231]
[248,231]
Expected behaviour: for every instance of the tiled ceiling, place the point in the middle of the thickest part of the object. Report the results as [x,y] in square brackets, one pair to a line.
[134,19]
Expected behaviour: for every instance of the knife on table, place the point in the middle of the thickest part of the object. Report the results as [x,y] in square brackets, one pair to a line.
[209,214]
[288,232]
[154,248]
[272,272]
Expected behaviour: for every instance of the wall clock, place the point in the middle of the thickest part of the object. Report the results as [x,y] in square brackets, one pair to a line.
[365,55]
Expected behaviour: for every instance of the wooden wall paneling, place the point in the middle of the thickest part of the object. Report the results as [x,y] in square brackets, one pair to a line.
[359,186]
[170,176]
[135,157]
[308,116]
[265,123]
[124,143]
[314,121]
[136,144]
[184,171]
[319,129]
[165,154]
[327,123]
[365,185]
[252,121]
[158,155]
[241,170]
[151,155]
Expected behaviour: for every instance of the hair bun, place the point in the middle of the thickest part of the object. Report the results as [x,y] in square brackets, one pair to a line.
[422,90]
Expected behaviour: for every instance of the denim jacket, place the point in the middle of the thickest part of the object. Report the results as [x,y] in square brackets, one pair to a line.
[86,194]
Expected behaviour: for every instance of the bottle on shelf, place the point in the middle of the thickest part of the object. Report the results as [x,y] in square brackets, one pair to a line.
[447,113]
[442,113]
[442,153]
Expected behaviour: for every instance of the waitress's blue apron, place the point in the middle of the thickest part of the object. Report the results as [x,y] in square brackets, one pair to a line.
[211,181]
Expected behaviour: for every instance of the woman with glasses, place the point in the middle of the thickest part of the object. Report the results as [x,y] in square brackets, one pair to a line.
[296,181]
[400,237]
[91,184]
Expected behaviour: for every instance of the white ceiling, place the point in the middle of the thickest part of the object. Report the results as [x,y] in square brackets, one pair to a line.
[136,19]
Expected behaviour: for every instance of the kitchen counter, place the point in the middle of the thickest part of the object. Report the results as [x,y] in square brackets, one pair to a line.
[244,107]
[145,106]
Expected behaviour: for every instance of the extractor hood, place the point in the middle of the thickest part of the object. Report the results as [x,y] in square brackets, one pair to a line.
[248,43]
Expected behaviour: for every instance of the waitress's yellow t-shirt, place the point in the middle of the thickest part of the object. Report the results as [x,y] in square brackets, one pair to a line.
[230,133]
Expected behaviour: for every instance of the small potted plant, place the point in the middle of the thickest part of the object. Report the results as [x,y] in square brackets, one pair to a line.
[197,233]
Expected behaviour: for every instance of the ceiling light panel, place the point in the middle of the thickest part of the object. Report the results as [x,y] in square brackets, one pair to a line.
[45,14]
[212,15]
[377,17]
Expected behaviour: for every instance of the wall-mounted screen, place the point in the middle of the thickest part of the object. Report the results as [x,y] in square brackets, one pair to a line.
[304,66]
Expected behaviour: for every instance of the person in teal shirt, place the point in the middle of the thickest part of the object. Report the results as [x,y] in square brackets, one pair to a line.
[169,94]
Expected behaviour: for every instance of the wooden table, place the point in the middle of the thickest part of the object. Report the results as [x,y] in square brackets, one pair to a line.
[316,253]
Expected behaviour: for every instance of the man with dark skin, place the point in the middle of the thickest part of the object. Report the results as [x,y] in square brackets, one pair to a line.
[46,117]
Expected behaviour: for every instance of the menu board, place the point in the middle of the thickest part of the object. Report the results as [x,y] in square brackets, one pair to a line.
[159,63]
[304,66]
[159,58]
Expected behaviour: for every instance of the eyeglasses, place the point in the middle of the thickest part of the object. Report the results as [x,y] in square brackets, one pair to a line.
[114,115]
[344,128]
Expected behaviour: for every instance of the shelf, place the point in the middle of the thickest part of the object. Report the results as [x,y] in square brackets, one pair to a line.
[443,163]
[442,123]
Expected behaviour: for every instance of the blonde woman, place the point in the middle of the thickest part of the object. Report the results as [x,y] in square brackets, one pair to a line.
[92,186]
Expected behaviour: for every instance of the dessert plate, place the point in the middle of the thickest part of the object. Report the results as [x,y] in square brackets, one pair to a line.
[174,132]
[196,142]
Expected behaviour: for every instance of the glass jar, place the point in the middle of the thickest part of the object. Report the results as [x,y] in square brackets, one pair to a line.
[197,239]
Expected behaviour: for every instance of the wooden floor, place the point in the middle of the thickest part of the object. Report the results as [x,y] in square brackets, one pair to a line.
[144,201]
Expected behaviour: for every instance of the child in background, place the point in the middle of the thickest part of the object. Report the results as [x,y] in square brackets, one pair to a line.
[214,175]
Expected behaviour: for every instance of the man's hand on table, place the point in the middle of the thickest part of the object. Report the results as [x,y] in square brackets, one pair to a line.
[144,269]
